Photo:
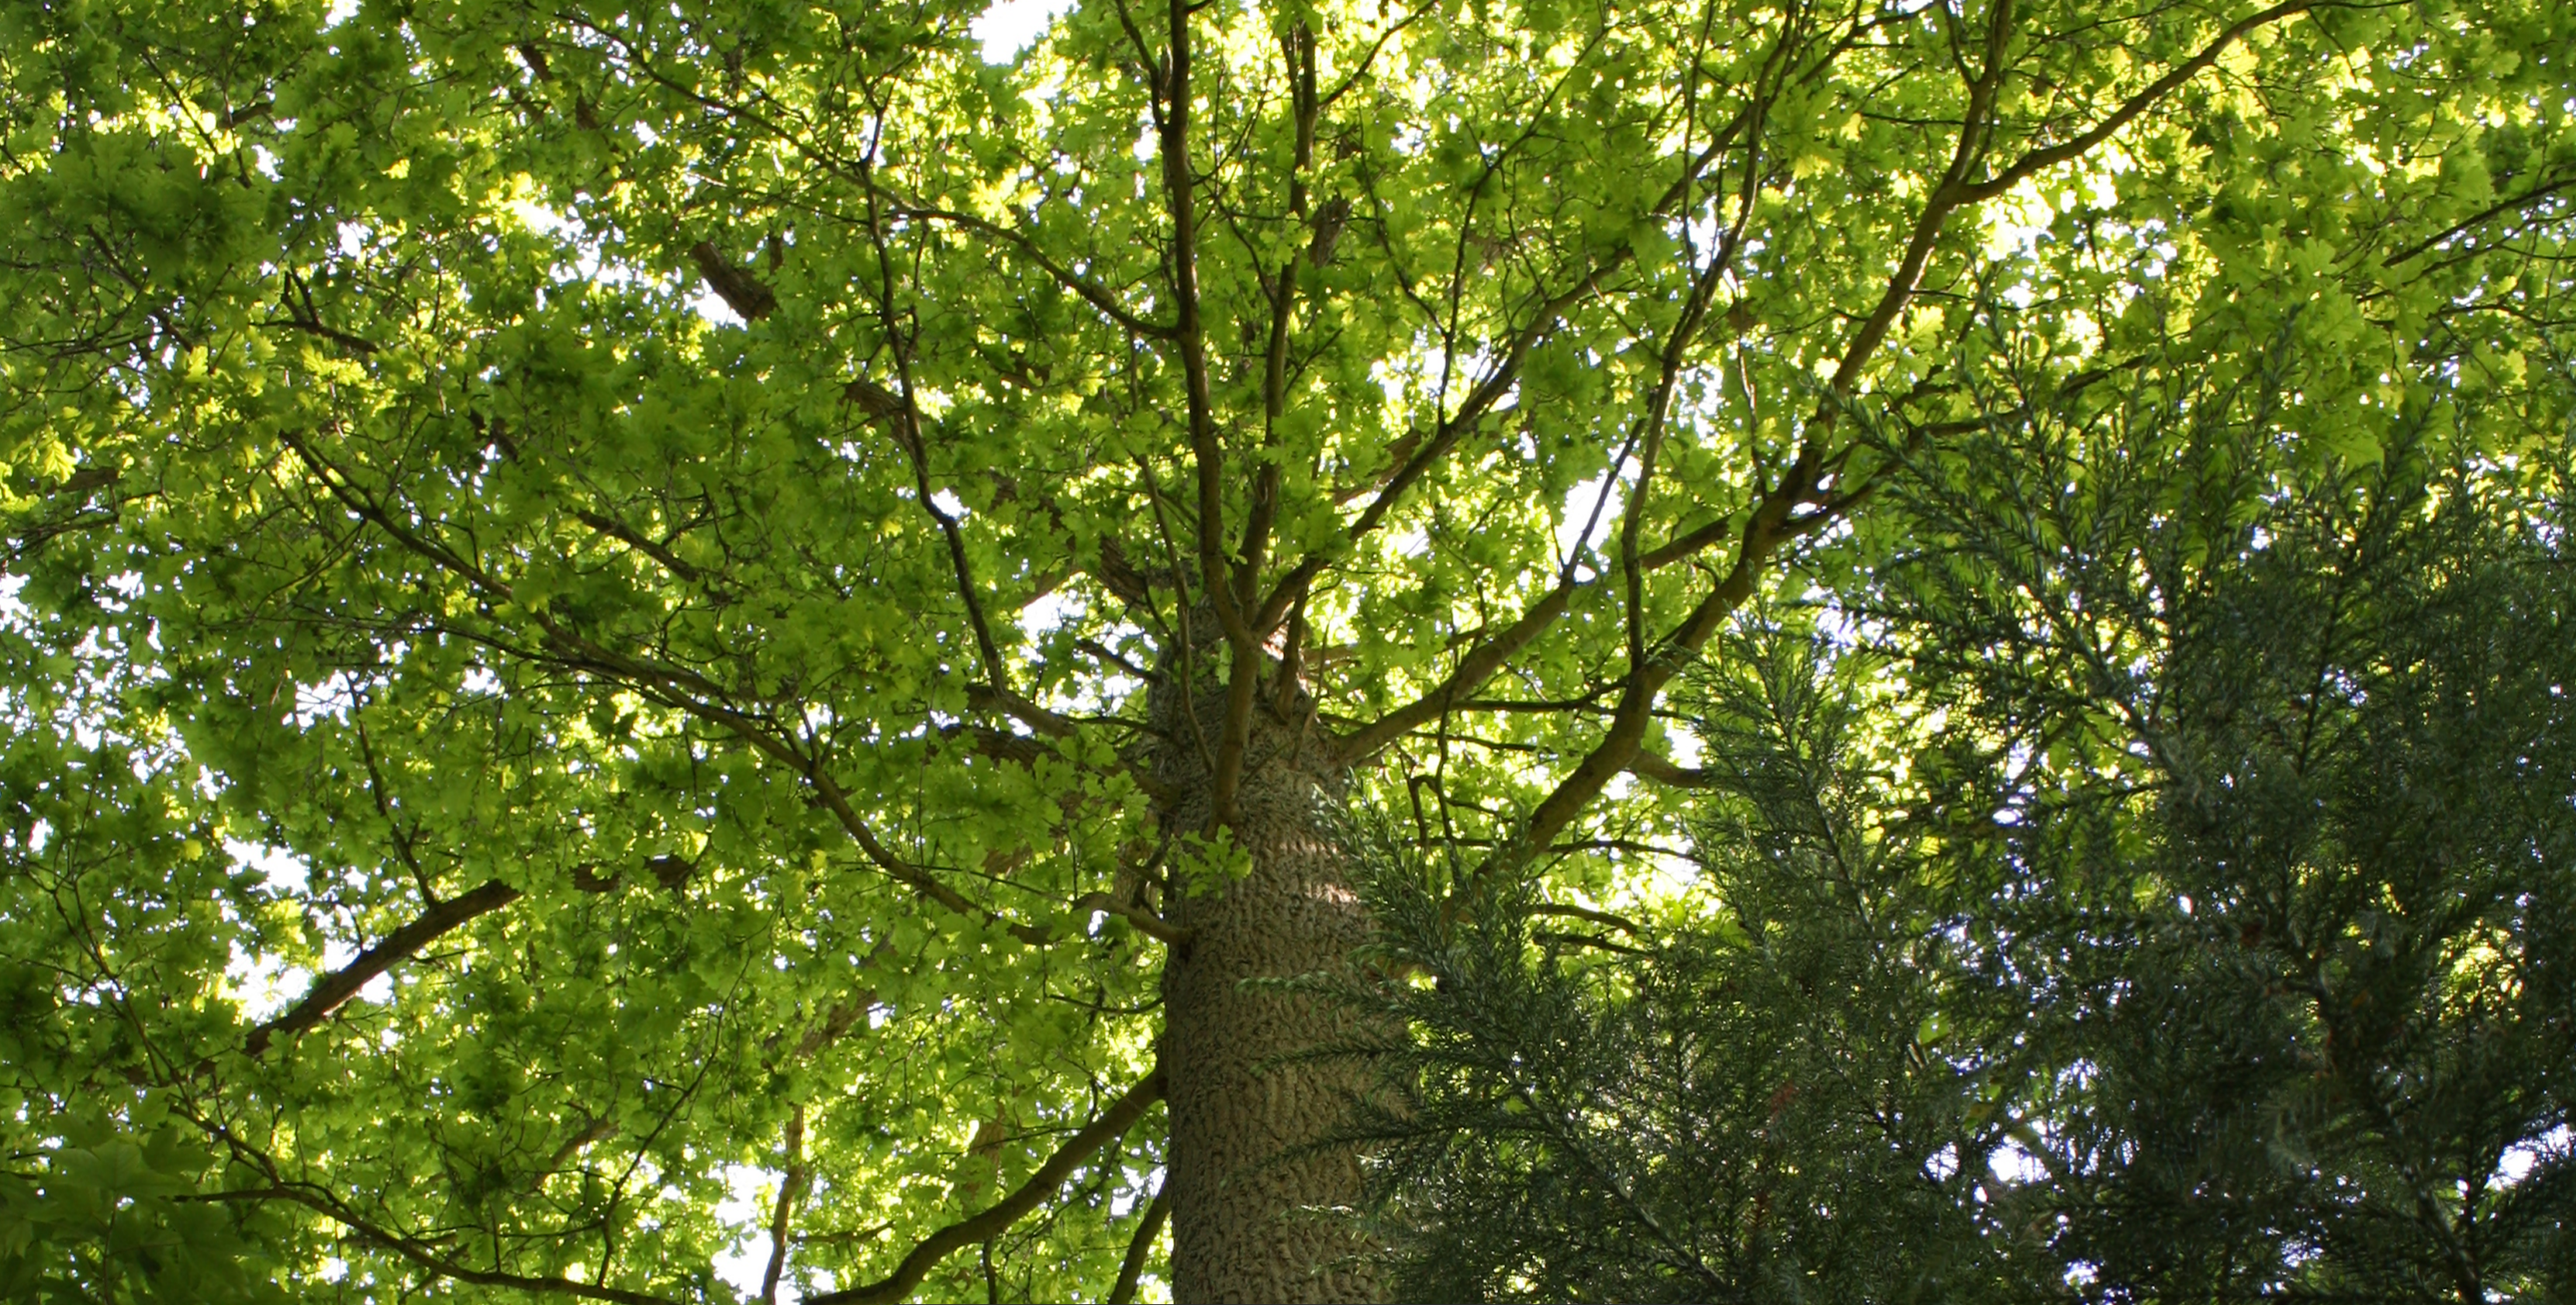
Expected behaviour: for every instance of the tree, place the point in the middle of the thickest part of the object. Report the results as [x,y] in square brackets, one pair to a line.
[736,585]
[2213,945]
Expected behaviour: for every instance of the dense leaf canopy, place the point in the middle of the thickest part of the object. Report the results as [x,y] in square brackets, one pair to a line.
[580,578]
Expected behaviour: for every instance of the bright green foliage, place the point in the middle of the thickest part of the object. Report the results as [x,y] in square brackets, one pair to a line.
[2189,915]
[676,497]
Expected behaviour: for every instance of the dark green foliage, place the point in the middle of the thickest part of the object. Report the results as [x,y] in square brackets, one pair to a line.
[2167,898]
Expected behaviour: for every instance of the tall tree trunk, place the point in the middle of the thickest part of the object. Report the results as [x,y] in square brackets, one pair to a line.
[1250,1220]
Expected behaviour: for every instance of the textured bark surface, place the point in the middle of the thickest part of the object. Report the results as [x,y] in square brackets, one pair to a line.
[1250,1220]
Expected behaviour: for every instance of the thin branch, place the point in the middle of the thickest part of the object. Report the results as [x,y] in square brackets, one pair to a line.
[2501,206]
[1619,922]
[1152,924]
[791,1188]
[671,686]
[1091,293]
[1487,660]
[1586,940]
[416,1251]
[1479,665]
[2136,104]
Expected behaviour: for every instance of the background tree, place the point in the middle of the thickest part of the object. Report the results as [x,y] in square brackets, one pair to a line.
[2183,916]
[732,584]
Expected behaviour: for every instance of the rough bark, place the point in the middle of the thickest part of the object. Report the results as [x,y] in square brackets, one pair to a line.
[1253,1212]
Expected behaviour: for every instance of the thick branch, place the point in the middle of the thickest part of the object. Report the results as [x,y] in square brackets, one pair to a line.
[1772,527]
[1479,665]
[1132,1267]
[1112,1125]
[336,988]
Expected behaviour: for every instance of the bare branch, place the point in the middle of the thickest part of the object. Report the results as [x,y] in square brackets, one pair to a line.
[412,1249]
[791,1188]
[1663,771]
[1132,1267]
[1619,922]
[1109,1127]
[1479,665]
[335,989]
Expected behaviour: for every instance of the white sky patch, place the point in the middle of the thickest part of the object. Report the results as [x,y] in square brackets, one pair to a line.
[283,869]
[540,218]
[263,985]
[1579,514]
[2014,1163]
[1683,748]
[708,304]
[340,12]
[1048,612]
[748,1189]
[1012,26]
[2517,1162]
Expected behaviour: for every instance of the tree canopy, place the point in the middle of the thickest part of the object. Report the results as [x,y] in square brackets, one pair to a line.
[2171,906]
[608,606]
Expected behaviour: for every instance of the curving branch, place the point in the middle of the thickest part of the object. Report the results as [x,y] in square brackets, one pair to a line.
[1480,664]
[2500,207]
[1651,766]
[1112,1124]
[423,1254]
[1132,1266]
[2070,150]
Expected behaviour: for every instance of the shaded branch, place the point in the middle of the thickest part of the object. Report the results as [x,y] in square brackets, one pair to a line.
[1110,1126]
[791,1188]
[412,1249]
[1662,771]
[1479,665]
[1132,1266]
[1604,918]
[2129,109]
